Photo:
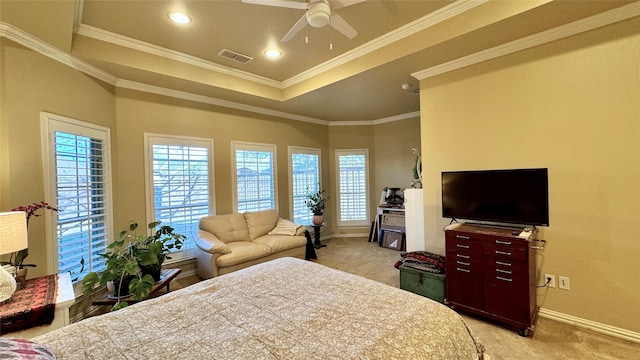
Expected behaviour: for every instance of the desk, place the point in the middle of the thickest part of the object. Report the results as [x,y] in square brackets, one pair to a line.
[65,298]
[165,280]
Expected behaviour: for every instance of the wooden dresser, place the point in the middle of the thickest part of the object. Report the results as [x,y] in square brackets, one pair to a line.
[491,271]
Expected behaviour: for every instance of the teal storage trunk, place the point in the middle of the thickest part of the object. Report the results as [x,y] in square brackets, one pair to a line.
[423,283]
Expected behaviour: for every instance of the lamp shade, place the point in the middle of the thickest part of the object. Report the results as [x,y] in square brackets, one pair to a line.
[13,231]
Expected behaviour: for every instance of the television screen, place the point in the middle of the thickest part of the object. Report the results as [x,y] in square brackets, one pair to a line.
[518,196]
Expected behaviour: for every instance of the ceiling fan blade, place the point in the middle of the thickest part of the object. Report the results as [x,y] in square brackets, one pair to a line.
[296,28]
[337,4]
[279,3]
[340,24]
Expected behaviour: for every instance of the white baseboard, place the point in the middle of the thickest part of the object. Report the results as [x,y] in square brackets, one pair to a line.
[591,325]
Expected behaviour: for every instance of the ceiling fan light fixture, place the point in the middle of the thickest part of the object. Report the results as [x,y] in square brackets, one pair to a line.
[319,14]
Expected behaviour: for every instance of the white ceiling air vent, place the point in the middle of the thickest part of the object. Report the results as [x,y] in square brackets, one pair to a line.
[226,53]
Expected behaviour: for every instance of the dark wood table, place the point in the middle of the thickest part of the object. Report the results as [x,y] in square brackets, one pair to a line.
[166,276]
[316,232]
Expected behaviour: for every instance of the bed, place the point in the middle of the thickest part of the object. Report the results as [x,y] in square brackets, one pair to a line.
[282,309]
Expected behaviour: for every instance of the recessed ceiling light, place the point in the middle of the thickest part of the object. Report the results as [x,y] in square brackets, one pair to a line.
[273,53]
[180,18]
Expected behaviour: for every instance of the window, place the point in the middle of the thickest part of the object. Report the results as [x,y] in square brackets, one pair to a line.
[304,170]
[255,180]
[179,182]
[77,170]
[353,177]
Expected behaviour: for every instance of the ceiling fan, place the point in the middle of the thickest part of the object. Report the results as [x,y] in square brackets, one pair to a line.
[318,13]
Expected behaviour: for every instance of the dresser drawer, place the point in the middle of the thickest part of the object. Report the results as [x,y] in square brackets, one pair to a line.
[502,264]
[505,252]
[463,243]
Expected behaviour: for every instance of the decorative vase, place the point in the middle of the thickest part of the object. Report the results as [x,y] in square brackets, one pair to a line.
[317,220]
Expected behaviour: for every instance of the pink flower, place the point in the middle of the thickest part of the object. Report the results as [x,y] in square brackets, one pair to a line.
[33,207]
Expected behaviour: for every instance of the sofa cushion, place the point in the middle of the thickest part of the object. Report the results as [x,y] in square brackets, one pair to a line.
[243,251]
[260,222]
[279,243]
[228,228]
[285,227]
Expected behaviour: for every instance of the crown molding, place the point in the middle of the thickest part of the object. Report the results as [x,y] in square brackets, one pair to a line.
[117,39]
[77,14]
[152,89]
[593,22]
[409,29]
[411,115]
[29,41]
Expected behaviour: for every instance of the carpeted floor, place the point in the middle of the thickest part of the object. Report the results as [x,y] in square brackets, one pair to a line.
[551,339]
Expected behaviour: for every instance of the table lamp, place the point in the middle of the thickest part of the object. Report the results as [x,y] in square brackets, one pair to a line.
[13,237]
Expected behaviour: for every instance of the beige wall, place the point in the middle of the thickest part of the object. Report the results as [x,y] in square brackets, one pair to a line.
[32,83]
[572,106]
[393,157]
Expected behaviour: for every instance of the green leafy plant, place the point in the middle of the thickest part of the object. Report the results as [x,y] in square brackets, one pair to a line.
[121,269]
[151,251]
[316,202]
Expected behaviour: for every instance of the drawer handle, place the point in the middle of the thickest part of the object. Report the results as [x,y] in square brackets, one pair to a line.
[503,263]
[462,256]
[503,279]
[503,253]
[504,271]
[463,270]
[463,237]
[462,246]
[503,242]
[463,263]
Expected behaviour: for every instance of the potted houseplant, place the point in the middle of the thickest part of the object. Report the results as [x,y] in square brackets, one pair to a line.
[122,271]
[315,201]
[151,251]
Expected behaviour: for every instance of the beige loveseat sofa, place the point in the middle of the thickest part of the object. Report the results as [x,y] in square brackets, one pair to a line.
[227,243]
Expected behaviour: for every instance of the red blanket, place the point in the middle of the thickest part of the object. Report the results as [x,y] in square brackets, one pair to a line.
[32,305]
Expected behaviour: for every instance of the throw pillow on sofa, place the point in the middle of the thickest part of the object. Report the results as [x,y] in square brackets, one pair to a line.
[285,227]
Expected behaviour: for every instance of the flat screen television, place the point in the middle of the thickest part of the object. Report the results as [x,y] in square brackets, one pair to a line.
[515,196]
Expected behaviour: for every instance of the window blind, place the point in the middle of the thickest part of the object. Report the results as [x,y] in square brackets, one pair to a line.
[181,194]
[305,179]
[81,189]
[255,177]
[352,187]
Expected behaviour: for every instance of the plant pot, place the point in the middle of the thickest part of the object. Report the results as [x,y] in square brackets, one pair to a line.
[153,270]
[21,277]
[112,287]
[317,220]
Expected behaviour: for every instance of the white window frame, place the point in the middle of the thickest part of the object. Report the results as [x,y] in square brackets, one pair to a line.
[251,146]
[150,140]
[352,223]
[312,187]
[50,123]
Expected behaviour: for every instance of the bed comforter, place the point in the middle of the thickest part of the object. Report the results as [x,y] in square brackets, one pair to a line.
[282,309]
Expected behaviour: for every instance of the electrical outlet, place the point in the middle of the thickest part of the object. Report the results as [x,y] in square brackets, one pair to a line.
[564,282]
[550,280]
